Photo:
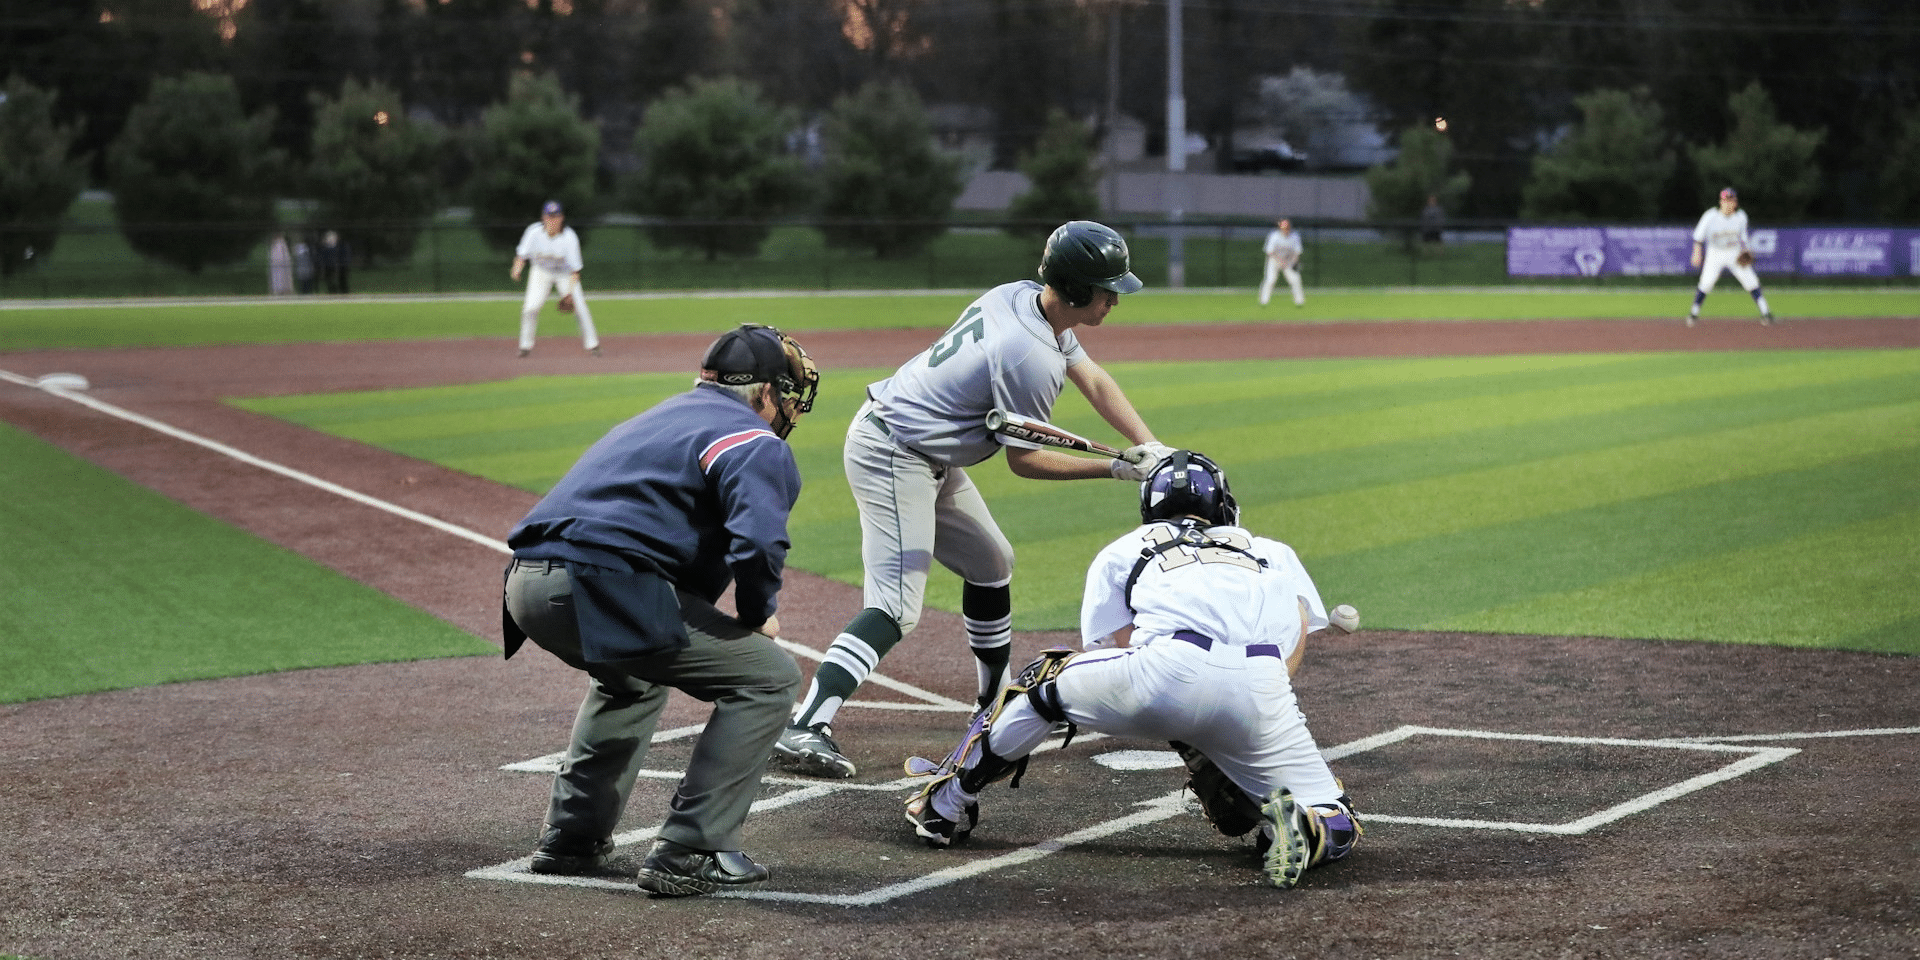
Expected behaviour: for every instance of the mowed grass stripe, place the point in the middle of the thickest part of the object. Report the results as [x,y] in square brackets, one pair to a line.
[1400,461]
[1473,398]
[127,588]
[1828,588]
[1375,517]
[1536,429]
[1444,580]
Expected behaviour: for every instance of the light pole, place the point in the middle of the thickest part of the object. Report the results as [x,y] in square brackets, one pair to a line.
[1176,150]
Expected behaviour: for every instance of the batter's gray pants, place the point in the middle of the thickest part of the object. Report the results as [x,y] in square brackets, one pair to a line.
[750,681]
[913,512]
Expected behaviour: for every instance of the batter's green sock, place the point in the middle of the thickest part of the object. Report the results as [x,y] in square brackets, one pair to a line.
[988,612]
[853,655]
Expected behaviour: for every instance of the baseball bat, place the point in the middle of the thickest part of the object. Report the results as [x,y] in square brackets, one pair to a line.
[1046,434]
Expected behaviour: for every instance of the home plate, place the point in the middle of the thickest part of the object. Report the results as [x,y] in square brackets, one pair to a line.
[1139,760]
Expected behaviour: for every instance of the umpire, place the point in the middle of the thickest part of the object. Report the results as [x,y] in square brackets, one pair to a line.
[616,572]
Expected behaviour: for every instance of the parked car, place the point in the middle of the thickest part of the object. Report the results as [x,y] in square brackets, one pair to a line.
[1276,155]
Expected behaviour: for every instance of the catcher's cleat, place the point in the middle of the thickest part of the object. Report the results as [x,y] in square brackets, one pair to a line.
[565,855]
[811,751]
[1288,847]
[937,831]
[676,870]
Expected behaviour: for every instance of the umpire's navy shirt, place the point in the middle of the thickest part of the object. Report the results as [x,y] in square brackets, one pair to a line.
[696,488]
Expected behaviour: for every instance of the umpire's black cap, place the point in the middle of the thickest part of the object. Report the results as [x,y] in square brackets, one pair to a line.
[757,353]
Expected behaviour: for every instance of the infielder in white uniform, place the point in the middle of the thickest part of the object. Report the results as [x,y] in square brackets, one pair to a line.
[553,249]
[1283,259]
[1193,626]
[1718,241]
[906,456]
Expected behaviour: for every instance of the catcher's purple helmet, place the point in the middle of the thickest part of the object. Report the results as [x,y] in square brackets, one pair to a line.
[1188,483]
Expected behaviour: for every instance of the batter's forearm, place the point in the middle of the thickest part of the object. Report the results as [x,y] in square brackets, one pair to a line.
[1103,393]
[1053,465]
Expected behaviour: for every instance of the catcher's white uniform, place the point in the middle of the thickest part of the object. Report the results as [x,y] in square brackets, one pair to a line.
[552,261]
[1206,665]
[1283,259]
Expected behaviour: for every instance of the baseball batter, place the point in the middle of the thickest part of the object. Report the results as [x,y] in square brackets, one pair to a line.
[1283,250]
[1191,623]
[553,250]
[906,455]
[1719,241]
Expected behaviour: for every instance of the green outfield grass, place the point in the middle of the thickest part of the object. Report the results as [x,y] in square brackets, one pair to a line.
[322,319]
[1732,497]
[110,585]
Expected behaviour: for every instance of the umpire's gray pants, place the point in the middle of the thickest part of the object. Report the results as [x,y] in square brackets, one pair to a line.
[750,681]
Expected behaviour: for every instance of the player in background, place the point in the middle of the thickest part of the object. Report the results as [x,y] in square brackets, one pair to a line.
[1283,259]
[1719,243]
[554,251]
[1193,627]
[906,455]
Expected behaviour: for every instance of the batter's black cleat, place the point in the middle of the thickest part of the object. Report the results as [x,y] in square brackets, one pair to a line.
[1766,319]
[564,855]
[523,354]
[811,751]
[595,351]
[677,870]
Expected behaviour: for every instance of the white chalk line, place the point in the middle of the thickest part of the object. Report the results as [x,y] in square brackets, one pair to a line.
[934,701]
[1161,808]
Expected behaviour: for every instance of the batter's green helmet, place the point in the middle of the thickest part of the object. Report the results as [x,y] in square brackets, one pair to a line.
[1082,255]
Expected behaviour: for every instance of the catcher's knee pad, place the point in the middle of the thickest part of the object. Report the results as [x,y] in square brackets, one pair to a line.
[1331,829]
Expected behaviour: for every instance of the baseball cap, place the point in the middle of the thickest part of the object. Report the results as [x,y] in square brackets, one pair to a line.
[1728,194]
[551,209]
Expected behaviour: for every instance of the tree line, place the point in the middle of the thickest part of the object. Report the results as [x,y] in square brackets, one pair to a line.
[376,111]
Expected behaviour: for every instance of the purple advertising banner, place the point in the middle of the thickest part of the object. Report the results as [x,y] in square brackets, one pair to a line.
[1665,251]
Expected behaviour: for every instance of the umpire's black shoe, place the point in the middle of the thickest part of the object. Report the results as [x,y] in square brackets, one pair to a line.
[677,870]
[567,855]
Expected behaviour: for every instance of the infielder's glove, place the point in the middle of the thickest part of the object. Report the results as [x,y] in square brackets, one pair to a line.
[1745,258]
[1225,805]
[566,303]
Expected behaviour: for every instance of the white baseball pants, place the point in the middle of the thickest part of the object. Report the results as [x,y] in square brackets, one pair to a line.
[541,281]
[1239,710]
[1716,260]
[1274,272]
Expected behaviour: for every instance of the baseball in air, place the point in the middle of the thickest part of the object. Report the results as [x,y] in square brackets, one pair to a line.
[1345,617]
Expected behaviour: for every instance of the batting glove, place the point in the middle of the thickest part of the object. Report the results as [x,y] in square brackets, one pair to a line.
[1139,463]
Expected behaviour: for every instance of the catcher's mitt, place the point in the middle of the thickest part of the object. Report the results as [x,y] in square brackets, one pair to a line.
[1225,805]
[566,303]
[1745,258]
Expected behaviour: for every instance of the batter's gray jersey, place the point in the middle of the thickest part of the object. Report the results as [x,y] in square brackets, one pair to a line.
[1718,231]
[1001,353]
[1220,593]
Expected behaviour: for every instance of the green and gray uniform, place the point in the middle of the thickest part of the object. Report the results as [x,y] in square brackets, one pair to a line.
[906,456]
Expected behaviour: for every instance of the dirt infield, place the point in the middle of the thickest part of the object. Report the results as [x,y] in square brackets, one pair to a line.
[1526,796]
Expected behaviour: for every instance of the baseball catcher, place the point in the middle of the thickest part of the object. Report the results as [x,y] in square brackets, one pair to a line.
[1189,621]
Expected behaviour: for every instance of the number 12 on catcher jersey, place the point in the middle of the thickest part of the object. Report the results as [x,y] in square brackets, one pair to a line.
[1228,546]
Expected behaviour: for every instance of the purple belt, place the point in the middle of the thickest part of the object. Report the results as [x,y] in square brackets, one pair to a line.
[1205,642]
